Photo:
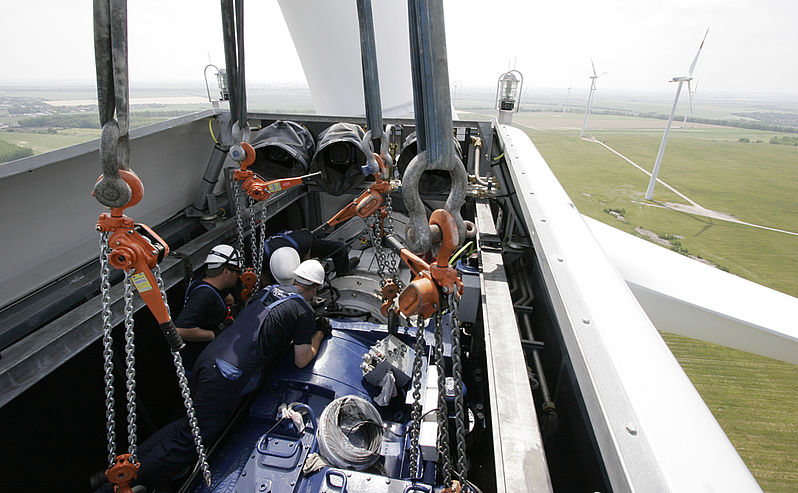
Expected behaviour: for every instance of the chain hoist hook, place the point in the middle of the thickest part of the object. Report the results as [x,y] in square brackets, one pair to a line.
[417,232]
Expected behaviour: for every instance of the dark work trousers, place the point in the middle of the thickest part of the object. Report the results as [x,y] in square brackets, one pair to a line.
[166,453]
[325,248]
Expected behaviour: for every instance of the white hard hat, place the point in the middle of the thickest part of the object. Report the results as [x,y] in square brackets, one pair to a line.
[282,263]
[221,255]
[309,272]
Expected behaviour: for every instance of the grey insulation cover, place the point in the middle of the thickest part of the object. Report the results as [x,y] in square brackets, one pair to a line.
[340,138]
[290,137]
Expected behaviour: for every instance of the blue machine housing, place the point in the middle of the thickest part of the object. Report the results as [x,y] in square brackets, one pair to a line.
[262,454]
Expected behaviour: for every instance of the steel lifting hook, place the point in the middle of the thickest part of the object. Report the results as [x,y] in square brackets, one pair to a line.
[138,249]
[418,232]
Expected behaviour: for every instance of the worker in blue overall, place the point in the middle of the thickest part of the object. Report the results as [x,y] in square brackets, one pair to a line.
[233,364]
[308,246]
[206,308]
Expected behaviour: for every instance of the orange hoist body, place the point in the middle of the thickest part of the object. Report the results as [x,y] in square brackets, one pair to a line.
[122,472]
[137,249]
[421,296]
[255,186]
[248,279]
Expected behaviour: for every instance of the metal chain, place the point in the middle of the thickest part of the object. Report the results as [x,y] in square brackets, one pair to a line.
[239,220]
[130,372]
[186,394]
[253,248]
[376,243]
[415,414]
[192,418]
[260,247]
[108,349]
[442,415]
[392,258]
[457,371]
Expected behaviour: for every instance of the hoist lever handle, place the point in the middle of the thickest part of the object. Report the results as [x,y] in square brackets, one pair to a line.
[412,260]
[137,249]
[259,189]
[366,204]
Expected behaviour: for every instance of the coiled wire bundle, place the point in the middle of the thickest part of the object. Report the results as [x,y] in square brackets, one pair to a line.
[350,433]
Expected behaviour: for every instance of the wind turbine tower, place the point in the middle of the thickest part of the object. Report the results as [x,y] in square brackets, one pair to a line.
[593,79]
[680,80]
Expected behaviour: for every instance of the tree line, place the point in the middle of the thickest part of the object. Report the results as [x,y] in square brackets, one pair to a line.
[10,152]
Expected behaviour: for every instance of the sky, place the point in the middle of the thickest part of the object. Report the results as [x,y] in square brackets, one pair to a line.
[752,46]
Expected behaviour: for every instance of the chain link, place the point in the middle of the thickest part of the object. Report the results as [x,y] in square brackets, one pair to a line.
[261,250]
[186,393]
[108,349]
[457,373]
[415,414]
[253,247]
[192,418]
[239,220]
[130,372]
[442,414]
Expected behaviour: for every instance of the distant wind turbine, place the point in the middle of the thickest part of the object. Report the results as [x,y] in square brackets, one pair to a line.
[692,95]
[680,80]
[593,79]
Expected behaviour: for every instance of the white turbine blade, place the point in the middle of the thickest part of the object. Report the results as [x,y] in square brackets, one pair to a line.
[594,67]
[695,60]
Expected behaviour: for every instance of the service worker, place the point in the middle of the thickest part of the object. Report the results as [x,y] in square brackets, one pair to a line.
[308,246]
[206,308]
[233,364]
[282,265]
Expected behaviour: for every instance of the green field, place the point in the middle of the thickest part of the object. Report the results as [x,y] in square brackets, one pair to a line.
[754,399]
[45,142]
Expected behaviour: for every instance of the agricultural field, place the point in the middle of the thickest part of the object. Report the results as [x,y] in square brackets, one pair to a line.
[731,170]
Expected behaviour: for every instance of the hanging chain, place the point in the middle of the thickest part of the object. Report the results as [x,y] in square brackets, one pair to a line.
[108,349]
[260,248]
[392,262]
[442,414]
[376,242]
[457,371]
[186,394]
[239,221]
[130,372]
[253,247]
[415,414]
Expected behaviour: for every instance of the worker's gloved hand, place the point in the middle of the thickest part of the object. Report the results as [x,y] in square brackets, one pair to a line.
[323,324]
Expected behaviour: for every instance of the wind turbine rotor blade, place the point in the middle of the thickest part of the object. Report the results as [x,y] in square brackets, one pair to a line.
[695,60]
[594,67]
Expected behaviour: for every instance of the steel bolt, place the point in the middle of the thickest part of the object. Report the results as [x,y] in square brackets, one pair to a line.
[130,231]
[631,429]
[585,320]
[368,478]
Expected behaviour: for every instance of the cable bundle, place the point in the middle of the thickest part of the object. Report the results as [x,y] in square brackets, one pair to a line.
[350,433]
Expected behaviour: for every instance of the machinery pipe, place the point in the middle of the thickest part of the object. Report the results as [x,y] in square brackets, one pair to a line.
[211,176]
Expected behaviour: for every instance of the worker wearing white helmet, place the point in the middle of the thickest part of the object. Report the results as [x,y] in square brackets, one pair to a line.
[276,318]
[282,264]
[206,304]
